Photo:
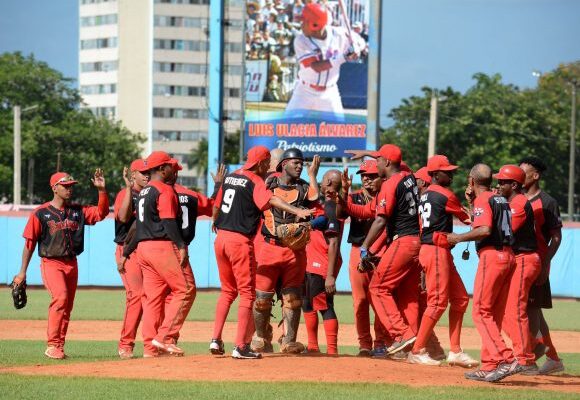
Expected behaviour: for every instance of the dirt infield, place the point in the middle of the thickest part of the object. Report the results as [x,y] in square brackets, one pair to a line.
[277,368]
[201,332]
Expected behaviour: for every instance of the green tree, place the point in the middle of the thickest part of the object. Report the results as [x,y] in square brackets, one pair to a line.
[56,126]
[198,159]
[491,122]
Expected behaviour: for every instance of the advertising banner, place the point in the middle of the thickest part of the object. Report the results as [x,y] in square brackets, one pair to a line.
[306,82]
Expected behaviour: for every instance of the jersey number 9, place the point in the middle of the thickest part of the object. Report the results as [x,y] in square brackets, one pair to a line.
[227,200]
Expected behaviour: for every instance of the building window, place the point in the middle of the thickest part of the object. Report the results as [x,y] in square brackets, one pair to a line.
[232,92]
[99,66]
[98,20]
[83,2]
[232,115]
[233,47]
[108,112]
[101,43]
[186,22]
[233,70]
[99,89]
[172,90]
[179,113]
[178,44]
[185,68]
[200,2]
[166,136]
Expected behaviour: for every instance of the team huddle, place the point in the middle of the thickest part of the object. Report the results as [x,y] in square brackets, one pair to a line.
[278,239]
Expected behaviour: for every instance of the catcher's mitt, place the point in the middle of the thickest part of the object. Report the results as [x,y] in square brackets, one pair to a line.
[19,294]
[294,236]
[368,263]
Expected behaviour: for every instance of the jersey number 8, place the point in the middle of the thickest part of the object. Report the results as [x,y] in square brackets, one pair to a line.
[227,200]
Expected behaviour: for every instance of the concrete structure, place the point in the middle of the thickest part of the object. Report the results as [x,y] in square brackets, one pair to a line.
[145,63]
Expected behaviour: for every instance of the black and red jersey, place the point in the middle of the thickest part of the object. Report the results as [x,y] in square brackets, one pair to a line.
[359,227]
[493,211]
[547,216]
[317,248]
[193,205]
[398,201]
[299,195]
[523,225]
[121,229]
[61,232]
[156,201]
[240,201]
[437,207]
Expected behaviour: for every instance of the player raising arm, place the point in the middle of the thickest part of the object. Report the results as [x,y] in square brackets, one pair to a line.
[59,229]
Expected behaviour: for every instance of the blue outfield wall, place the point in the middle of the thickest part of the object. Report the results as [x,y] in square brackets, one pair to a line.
[97,264]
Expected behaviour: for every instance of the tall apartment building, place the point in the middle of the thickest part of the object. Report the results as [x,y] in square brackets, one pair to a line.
[145,63]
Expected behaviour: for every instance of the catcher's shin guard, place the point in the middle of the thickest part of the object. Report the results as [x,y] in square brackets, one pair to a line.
[262,339]
[291,303]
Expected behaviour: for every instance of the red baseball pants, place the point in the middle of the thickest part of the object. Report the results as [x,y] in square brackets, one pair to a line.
[236,263]
[133,281]
[276,262]
[361,298]
[490,293]
[515,321]
[398,271]
[159,261]
[444,286]
[60,277]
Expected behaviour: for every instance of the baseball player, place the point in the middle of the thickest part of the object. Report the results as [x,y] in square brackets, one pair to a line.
[399,267]
[437,207]
[278,263]
[320,50]
[492,231]
[59,229]
[124,209]
[162,257]
[515,322]
[239,204]
[323,262]
[423,179]
[371,184]
[549,235]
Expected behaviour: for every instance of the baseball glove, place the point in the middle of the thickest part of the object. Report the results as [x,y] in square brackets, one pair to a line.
[294,236]
[19,294]
[368,263]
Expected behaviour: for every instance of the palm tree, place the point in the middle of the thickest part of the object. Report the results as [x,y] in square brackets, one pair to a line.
[198,159]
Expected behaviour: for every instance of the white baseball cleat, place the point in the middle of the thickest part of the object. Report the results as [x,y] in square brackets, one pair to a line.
[422,357]
[461,359]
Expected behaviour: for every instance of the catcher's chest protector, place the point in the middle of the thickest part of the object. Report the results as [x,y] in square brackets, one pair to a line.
[296,195]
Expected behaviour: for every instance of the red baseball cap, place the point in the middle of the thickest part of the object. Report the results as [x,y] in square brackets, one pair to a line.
[423,174]
[255,155]
[176,165]
[314,15]
[390,152]
[512,173]
[158,158]
[368,167]
[440,163]
[139,165]
[62,178]
[405,167]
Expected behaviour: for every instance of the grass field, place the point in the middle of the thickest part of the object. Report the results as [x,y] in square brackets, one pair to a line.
[97,304]
[104,304]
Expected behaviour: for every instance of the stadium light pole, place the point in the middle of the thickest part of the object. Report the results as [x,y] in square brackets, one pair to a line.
[572,166]
[16,194]
[432,125]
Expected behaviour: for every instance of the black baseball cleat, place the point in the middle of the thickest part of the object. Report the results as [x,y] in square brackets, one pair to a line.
[506,369]
[479,375]
[400,345]
[245,353]
[216,347]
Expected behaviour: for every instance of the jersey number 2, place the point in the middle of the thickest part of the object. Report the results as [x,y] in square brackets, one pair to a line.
[425,212]
[227,200]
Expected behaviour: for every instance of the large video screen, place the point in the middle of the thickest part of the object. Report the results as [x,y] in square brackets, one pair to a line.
[306,75]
